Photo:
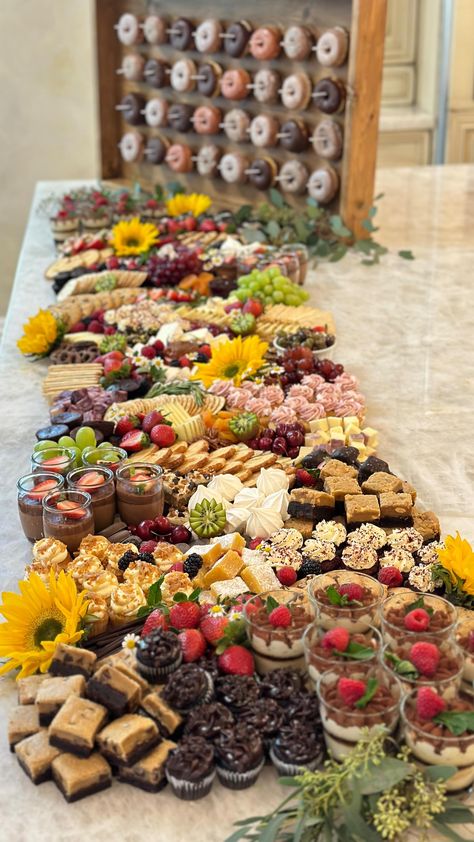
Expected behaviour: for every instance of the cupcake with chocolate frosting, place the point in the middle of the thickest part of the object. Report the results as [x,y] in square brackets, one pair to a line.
[239,756]
[190,768]
[207,721]
[237,691]
[298,746]
[158,654]
[266,716]
[281,685]
[187,687]
[304,708]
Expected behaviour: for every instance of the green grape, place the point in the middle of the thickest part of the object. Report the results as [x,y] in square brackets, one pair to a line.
[66,441]
[109,457]
[273,272]
[278,296]
[268,299]
[278,283]
[78,456]
[254,286]
[45,444]
[268,289]
[104,444]
[292,300]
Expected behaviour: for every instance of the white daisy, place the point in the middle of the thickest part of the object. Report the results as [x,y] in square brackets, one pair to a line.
[130,641]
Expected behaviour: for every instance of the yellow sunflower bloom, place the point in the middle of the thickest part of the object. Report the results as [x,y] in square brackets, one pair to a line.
[458,559]
[232,359]
[130,236]
[37,620]
[40,334]
[195,203]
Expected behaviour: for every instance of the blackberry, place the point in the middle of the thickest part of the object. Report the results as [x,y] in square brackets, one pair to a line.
[309,567]
[202,358]
[192,564]
[126,559]
[148,557]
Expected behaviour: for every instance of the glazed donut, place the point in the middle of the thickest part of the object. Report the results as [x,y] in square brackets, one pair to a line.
[297,42]
[207,119]
[156,148]
[209,77]
[208,36]
[236,38]
[263,131]
[327,140]
[179,158]
[323,184]
[181,34]
[331,48]
[180,117]
[132,67]
[262,173]
[131,146]
[154,29]
[265,43]
[329,95]
[266,85]
[296,91]
[234,84]
[293,177]
[294,136]
[232,167]
[236,125]
[156,73]
[208,159]
[156,112]
[128,30]
[182,74]
[132,107]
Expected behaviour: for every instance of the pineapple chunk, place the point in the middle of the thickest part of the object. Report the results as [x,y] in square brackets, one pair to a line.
[227,567]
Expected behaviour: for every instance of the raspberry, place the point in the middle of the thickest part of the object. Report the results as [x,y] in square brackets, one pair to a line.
[149,352]
[337,638]
[390,576]
[428,703]
[280,617]
[193,643]
[417,620]
[95,326]
[255,542]
[350,690]
[286,576]
[352,591]
[185,615]
[425,657]
[236,660]
[155,620]
[148,547]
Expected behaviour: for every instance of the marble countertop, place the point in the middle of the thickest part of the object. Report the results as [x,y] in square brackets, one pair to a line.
[405,329]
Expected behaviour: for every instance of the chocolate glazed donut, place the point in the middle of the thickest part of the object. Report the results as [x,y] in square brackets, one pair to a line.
[240,33]
[180,117]
[334,95]
[294,136]
[156,73]
[156,150]
[262,173]
[181,34]
[209,78]
[131,107]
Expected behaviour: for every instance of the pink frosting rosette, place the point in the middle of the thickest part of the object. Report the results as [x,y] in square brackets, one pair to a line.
[346,381]
[221,387]
[283,415]
[259,406]
[300,391]
[312,380]
[273,394]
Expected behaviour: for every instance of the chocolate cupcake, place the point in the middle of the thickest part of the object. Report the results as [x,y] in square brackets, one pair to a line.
[239,756]
[158,654]
[282,685]
[266,716]
[303,708]
[187,687]
[208,662]
[207,721]
[237,691]
[297,747]
[190,769]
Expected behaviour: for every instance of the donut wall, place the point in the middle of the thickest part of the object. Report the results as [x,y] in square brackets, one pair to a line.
[232,99]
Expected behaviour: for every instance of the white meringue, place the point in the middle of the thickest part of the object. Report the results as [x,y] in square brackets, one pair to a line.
[227,485]
[263,522]
[204,493]
[236,518]
[278,501]
[271,480]
[248,498]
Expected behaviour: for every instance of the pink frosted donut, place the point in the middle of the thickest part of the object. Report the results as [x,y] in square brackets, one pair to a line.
[232,167]
[132,67]
[207,119]
[332,47]
[154,29]
[297,42]
[266,85]
[156,112]
[179,158]
[182,74]
[263,130]
[264,43]
[327,140]
[293,177]
[236,125]
[234,84]
[323,184]
[208,160]
[129,31]
[131,147]
[208,36]
[296,91]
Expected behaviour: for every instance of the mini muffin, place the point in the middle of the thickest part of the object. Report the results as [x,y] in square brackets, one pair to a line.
[142,574]
[158,654]
[190,768]
[98,545]
[51,552]
[297,747]
[360,558]
[239,756]
[187,687]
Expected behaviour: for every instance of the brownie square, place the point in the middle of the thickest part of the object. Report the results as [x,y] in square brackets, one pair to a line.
[28,688]
[168,720]
[132,673]
[339,487]
[75,726]
[127,739]
[396,507]
[35,756]
[149,772]
[110,687]
[362,508]
[305,527]
[24,721]
[334,468]
[311,503]
[71,660]
[77,777]
[380,482]
[53,693]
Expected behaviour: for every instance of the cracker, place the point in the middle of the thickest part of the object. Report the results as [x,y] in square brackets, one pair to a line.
[263,460]
[245,474]
[215,465]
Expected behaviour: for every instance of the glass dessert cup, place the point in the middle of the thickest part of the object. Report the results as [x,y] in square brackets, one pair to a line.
[32,488]
[319,660]
[447,678]
[99,483]
[140,493]
[107,456]
[393,610]
[67,516]
[355,618]
[465,639]
[433,745]
[58,460]
[278,647]
[343,728]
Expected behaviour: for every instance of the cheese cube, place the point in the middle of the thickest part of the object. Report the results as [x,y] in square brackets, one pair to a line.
[227,567]
[371,436]
[333,421]
[350,420]
[318,424]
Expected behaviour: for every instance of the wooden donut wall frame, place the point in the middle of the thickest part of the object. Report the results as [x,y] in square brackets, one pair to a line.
[361,74]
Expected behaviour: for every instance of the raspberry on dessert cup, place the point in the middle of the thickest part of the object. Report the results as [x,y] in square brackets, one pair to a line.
[275,623]
[435,738]
[348,706]
[425,663]
[406,615]
[338,648]
[465,639]
[347,599]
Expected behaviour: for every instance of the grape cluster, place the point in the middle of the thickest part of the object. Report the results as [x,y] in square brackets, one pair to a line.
[271,287]
[297,362]
[285,440]
[169,270]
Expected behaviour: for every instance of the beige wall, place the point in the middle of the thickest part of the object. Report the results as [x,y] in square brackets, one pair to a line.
[48,119]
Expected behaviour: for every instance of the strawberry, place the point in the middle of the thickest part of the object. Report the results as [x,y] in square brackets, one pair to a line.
[149,352]
[233,305]
[305,478]
[42,488]
[286,576]
[70,509]
[54,463]
[185,615]
[206,350]
[126,425]
[162,435]
[280,618]
[336,638]
[90,480]
[352,591]
[212,626]
[193,643]
[151,419]
[428,703]
[148,546]
[417,620]
[134,441]
[178,566]
[255,542]
[350,690]
[390,576]
[207,225]
[185,362]
[78,327]
[236,660]
[112,262]
[155,620]
[425,657]
[112,364]
[159,346]
[253,306]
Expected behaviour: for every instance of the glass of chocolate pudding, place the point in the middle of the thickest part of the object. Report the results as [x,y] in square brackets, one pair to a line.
[139,492]
[67,515]
[32,488]
[100,484]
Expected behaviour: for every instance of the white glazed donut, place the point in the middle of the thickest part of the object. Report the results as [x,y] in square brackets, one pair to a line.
[264,130]
[293,176]
[131,146]
[208,159]
[323,184]
[181,75]
[128,30]
[332,46]
[154,29]
[207,36]
[156,112]
[327,139]
[132,67]
[296,91]
[233,166]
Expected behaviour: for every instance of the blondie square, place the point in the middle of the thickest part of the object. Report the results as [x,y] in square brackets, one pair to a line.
[28,688]
[35,756]
[334,468]
[110,687]
[71,660]
[24,721]
[362,508]
[339,487]
[77,777]
[75,726]
[395,506]
[149,772]
[127,739]
[53,693]
[167,719]
[380,482]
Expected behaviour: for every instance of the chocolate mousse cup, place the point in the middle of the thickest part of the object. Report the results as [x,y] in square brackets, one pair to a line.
[442,624]
[107,456]
[278,647]
[447,678]
[67,515]
[57,460]
[100,484]
[32,488]
[140,493]
[356,616]
[319,659]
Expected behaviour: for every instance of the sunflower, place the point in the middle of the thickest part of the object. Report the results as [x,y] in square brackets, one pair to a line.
[40,334]
[458,559]
[195,203]
[37,620]
[232,359]
[130,236]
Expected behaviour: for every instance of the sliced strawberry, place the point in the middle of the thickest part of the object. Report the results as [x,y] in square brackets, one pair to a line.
[90,480]
[134,441]
[42,488]
[54,463]
[70,509]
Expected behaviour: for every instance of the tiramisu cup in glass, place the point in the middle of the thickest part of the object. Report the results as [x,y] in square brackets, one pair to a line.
[348,599]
